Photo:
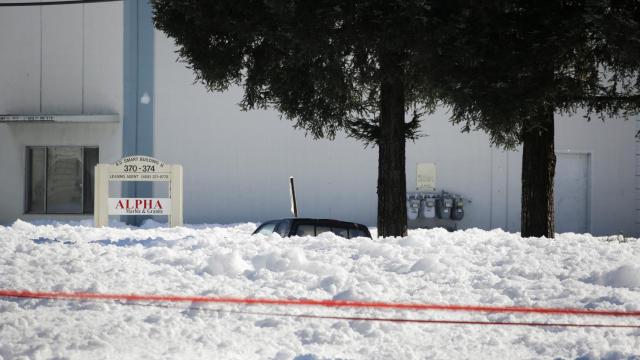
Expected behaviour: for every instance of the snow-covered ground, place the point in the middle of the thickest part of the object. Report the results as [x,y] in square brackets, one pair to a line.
[429,266]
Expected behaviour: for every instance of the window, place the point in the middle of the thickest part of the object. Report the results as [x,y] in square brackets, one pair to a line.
[283,227]
[266,229]
[306,230]
[342,232]
[322,229]
[60,179]
[353,233]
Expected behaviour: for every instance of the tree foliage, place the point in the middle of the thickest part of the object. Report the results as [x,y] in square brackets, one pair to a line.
[316,62]
[507,66]
[500,64]
[327,65]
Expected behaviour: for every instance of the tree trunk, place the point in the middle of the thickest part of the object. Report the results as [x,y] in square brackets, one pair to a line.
[392,184]
[538,171]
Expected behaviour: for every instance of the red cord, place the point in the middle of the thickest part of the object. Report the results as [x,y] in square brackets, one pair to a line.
[309,302]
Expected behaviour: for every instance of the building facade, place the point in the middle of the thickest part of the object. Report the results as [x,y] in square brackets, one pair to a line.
[88,83]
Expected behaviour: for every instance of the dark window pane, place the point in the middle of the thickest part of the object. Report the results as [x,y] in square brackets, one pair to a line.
[353,233]
[35,179]
[90,161]
[322,229]
[64,180]
[306,230]
[342,232]
[267,228]
[283,228]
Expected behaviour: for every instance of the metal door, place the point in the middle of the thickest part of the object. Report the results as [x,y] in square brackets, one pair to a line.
[572,184]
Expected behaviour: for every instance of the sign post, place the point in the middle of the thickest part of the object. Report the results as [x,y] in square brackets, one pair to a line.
[137,168]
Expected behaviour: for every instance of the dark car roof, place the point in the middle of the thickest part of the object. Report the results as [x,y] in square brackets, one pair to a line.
[326,222]
[313,220]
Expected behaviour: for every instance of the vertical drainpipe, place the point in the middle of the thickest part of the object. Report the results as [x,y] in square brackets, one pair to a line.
[137,122]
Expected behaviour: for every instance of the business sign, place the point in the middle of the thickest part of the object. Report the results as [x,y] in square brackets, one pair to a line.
[138,168]
[139,206]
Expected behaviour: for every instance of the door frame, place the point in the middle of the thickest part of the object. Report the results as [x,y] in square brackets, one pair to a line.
[589,154]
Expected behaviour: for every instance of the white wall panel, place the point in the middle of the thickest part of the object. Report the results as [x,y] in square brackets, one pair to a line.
[499,195]
[514,190]
[612,148]
[637,174]
[62,39]
[102,80]
[19,60]
[12,175]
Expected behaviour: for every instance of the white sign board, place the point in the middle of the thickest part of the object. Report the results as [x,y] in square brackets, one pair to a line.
[138,168]
[426,177]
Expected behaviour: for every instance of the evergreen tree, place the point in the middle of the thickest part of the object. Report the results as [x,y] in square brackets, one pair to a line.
[507,67]
[326,65]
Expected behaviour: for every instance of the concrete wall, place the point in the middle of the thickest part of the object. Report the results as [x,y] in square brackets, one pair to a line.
[57,60]
[236,164]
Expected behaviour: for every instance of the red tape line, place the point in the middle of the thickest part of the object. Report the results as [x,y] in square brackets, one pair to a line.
[309,302]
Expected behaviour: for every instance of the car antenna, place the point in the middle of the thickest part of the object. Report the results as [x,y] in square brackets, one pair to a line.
[292,193]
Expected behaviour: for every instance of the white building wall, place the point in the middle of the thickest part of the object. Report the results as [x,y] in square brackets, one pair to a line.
[611,145]
[69,60]
[612,189]
[57,60]
[20,60]
[637,173]
[62,61]
[236,164]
